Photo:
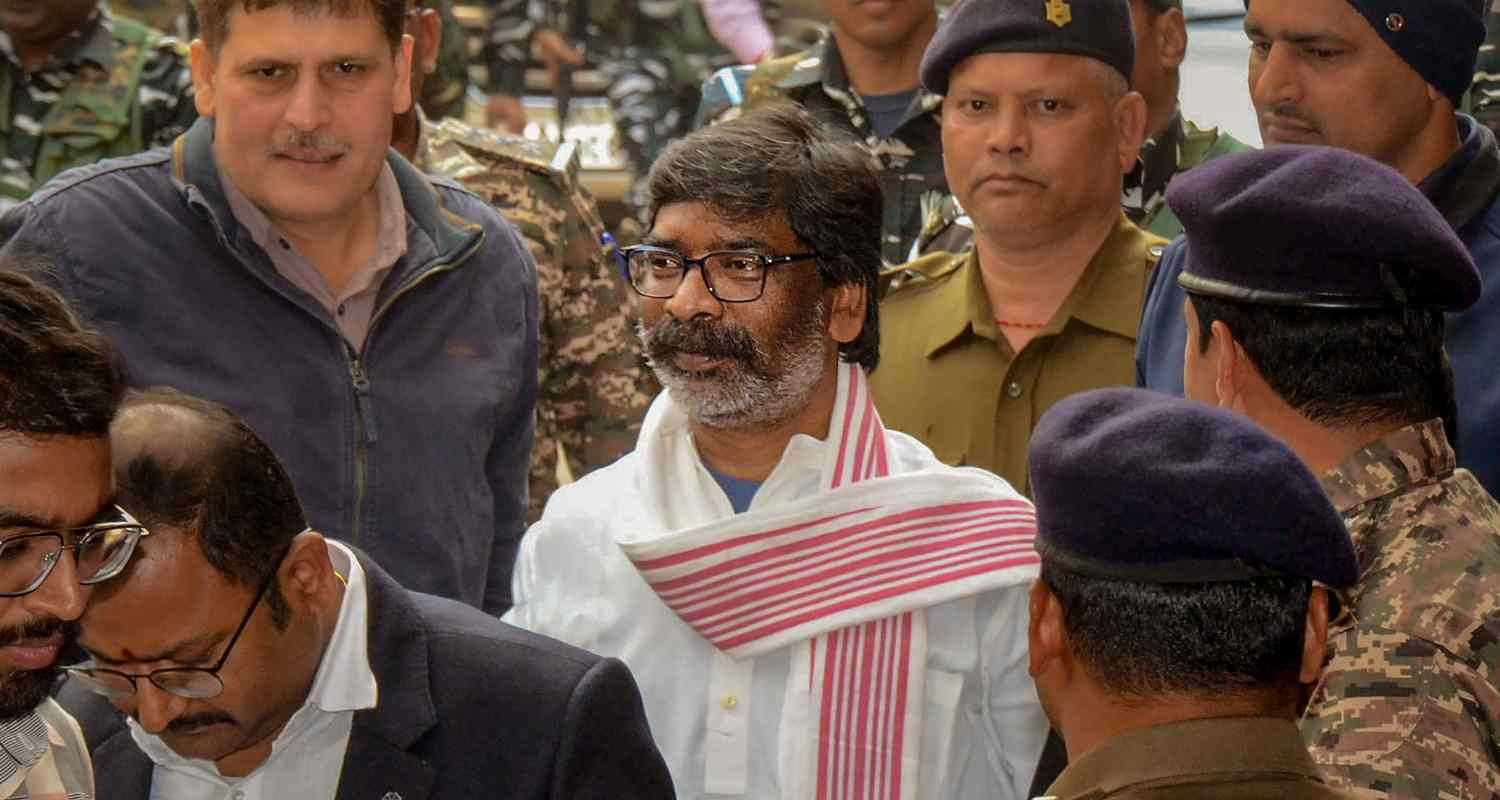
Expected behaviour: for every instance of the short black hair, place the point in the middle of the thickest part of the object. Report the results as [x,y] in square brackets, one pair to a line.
[57,378]
[782,159]
[1144,640]
[1343,368]
[213,15]
[1162,6]
[192,465]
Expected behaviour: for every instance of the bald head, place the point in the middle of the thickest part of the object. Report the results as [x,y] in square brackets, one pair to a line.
[192,466]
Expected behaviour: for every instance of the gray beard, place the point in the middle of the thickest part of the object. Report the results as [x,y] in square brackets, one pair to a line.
[739,395]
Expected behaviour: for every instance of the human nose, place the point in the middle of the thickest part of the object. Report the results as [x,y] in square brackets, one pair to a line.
[1007,131]
[693,298]
[155,708]
[60,595]
[1272,78]
[307,109]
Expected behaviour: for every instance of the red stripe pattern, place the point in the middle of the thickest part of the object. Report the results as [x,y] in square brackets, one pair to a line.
[844,581]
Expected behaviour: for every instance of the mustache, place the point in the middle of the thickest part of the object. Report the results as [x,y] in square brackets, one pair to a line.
[189,723]
[308,146]
[1290,112]
[670,336]
[38,628]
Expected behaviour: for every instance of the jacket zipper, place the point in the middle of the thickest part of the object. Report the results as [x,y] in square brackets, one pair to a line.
[364,419]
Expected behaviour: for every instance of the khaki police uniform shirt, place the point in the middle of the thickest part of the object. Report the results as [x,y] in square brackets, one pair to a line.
[948,376]
[1232,758]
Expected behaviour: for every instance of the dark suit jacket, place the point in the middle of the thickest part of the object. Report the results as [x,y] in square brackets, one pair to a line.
[470,707]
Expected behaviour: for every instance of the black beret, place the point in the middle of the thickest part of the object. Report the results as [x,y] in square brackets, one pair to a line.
[1098,29]
[1298,225]
[1139,486]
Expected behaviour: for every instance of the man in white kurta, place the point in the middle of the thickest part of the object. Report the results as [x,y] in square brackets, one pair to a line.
[813,606]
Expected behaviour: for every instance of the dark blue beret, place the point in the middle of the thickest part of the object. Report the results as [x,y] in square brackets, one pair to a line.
[1139,486]
[1321,227]
[1099,29]
[1439,38]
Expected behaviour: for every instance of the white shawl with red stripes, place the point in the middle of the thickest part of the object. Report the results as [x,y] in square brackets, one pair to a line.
[843,577]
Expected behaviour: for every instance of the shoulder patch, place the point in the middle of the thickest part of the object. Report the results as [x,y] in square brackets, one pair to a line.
[534,154]
[925,271]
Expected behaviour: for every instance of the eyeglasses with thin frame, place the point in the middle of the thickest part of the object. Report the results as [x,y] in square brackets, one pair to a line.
[732,276]
[100,550]
[193,683]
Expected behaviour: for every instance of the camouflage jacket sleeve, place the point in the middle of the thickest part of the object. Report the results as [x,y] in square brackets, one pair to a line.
[167,106]
[1401,716]
[595,387]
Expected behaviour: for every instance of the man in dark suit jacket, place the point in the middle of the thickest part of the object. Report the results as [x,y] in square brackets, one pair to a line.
[467,707]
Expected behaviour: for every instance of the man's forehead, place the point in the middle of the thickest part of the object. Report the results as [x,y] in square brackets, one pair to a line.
[700,224]
[168,595]
[1303,19]
[321,32]
[53,481]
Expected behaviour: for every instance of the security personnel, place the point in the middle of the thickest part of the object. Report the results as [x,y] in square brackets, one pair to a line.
[594,387]
[1039,128]
[1174,143]
[1179,618]
[78,85]
[862,77]
[1316,282]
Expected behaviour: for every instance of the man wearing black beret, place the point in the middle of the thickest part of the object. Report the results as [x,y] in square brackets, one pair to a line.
[1381,78]
[1039,127]
[1317,281]
[1180,616]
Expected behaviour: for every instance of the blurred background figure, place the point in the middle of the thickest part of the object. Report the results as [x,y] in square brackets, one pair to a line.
[652,56]
[174,17]
[79,84]
[740,26]
[861,77]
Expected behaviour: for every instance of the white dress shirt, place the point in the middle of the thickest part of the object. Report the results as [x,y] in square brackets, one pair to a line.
[716,719]
[307,756]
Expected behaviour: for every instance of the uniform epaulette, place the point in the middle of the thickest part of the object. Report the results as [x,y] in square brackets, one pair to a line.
[923,271]
[535,155]
[772,79]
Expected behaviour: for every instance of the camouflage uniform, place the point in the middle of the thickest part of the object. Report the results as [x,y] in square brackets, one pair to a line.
[1484,95]
[1181,147]
[912,182]
[594,387]
[1408,706]
[113,88]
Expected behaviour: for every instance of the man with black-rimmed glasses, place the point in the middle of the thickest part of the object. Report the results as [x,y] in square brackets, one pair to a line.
[60,534]
[254,659]
[797,589]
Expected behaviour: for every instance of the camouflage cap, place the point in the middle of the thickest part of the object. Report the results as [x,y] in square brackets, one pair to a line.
[1099,29]
[1139,486]
[1320,227]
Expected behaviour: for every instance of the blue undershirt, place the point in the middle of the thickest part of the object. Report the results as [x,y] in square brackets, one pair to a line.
[740,492]
[887,111]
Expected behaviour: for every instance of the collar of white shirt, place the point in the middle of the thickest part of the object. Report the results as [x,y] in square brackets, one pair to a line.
[344,683]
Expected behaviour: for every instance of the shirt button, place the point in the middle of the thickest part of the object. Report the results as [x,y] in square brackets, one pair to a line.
[1013,389]
[730,702]
[285,245]
[341,309]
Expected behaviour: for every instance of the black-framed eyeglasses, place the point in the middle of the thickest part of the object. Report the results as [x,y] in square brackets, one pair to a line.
[101,551]
[732,276]
[194,683]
